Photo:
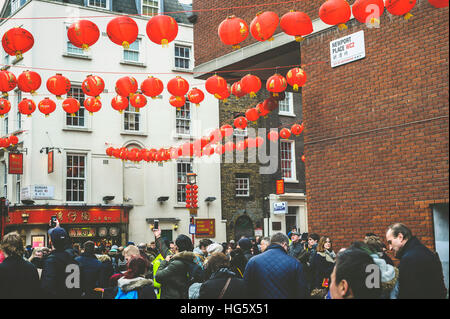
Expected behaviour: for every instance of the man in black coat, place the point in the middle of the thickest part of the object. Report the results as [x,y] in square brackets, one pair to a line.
[60,277]
[90,268]
[420,270]
[19,279]
[296,247]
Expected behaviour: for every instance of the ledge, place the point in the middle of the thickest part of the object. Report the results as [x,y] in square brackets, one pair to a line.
[287,114]
[76,129]
[137,64]
[76,56]
[190,71]
[134,133]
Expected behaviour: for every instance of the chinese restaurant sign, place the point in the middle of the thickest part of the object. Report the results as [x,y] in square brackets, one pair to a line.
[15,163]
[69,216]
[50,162]
[205,228]
[82,232]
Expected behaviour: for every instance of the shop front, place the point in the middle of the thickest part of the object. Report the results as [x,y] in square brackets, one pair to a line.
[103,225]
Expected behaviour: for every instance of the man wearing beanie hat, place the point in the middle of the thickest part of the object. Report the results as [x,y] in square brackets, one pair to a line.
[245,244]
[55,270]
[177,272]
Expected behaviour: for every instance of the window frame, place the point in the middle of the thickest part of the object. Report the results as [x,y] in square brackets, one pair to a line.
[139,52]
[81,100]
[18,185]
[85,178]
[142,9]
[293,178]
[18,114]
[5,179]
[126,114]
[98,7]
[79,53]
[175,57]
[183,192]
[247,181]
[185,119]
[290,103]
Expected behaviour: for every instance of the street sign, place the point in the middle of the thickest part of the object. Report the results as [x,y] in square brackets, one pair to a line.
[192,229]
[347,49]
[280,208]
[205,228]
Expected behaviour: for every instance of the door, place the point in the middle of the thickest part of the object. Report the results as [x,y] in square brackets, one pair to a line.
[440,219]
[243,227]
[291,219]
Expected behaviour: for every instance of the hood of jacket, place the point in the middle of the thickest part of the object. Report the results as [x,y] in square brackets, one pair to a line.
[127,285]
[184,256]
[389,274]
[222,273]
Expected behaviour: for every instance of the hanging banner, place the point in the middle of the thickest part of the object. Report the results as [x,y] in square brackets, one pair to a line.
[280,186]
[205,228]
[50,162]
[15,163]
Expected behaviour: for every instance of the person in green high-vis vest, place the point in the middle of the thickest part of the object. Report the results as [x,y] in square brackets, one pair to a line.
[157,285]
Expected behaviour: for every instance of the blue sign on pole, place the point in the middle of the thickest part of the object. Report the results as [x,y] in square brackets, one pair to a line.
[192,229]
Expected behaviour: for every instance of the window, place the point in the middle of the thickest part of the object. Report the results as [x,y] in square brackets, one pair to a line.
[15,5]
[287,160]
[131,119]
[242,186]
[71,49]
[5,125]
[18,180]
[183,167]
[149,8]
[78,119]
[98,3]
[183,119]
[182,57]
[76,178]
[19,115]
[132,53]
[286,106]
[5,180]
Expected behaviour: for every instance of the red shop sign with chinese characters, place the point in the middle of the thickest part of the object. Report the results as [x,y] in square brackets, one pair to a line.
[50,157]
[69,216]
[15,163]
[205,228]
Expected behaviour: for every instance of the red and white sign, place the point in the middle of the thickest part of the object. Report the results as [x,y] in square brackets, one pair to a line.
[205,228]
[15,163]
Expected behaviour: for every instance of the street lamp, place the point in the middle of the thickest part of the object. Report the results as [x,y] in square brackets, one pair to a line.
[192,178]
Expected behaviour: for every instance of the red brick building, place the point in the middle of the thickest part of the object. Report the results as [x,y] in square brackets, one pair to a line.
[376,138]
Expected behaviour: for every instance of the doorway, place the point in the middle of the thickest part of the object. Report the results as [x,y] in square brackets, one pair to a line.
[167,234]
[440,219]
[291,219]
[243,227]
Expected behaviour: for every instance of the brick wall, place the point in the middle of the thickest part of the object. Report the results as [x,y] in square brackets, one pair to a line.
[376,137]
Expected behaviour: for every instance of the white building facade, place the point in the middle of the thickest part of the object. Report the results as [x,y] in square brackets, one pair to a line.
[98,197]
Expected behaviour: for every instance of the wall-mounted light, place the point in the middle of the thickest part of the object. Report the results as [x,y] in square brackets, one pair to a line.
[162,199]
[175,227]
[27,201]
[192,178]
[108,198]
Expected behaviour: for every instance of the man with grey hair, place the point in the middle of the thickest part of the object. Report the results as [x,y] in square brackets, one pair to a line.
[265,242]
[421,275]
[274,274]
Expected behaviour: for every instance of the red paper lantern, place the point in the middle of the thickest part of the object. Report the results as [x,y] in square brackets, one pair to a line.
[109,151]
[270,104]
[152,87]
[47,106]
[303,158]
[296,78]
[215,136]
[196,96]
[5,107]
[177,101]
[233,31]
[400,7]
[240,122]
[126,86]
[58,85]
[439,3]
[208,150]
[264,25]
[116,152]
[252,114]
[187,149]
[297,24]
[119,103]
[92,105]
[215,84]
[223,95]
[123,154]
[230,147]
[17,41]
[259,141]
[29,81]
[93,85]
[276,84]
[7,82]
[162,29]
[368,11]
[71,105]
[236,90]
[220,149]
[280,97]
[297,129]
[122,31]
[4,143]
[13,140]
[178,86]
[83,34]
[285,133]
[335,12]
[250,84]
[226,130]
[273,136]
[27,107]
[138,101]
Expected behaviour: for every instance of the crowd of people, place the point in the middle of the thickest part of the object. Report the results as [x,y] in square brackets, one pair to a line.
[283,266]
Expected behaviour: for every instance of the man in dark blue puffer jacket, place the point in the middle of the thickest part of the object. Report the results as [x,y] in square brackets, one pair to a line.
[274,274]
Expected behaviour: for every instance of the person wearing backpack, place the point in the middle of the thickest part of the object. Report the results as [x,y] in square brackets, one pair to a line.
[60,268]
[133,285]
[176,273]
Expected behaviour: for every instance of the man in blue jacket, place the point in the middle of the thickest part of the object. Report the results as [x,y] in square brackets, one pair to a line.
[90,268]
[275,274]
[420,270]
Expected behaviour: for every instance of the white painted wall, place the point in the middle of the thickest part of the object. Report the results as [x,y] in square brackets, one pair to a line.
[143,185]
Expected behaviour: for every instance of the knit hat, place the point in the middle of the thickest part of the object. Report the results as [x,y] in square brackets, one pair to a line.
[214,248]
[184,243]
[245,243]
[58,237]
